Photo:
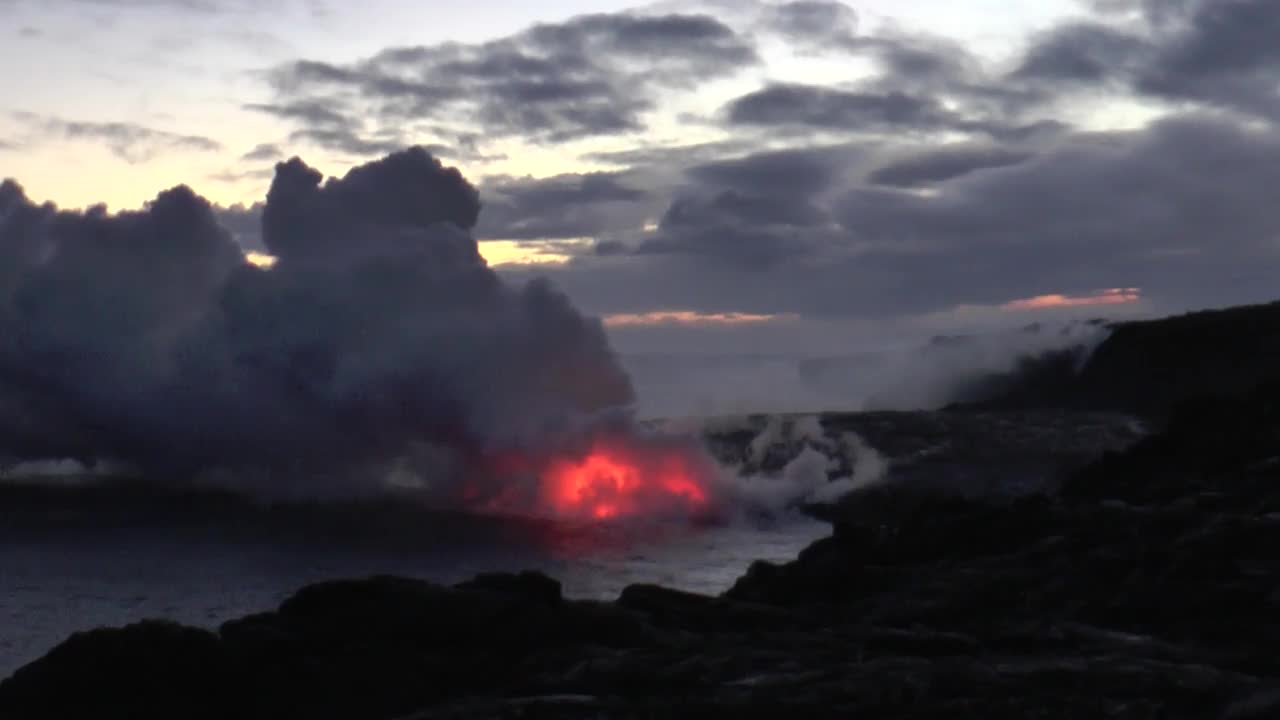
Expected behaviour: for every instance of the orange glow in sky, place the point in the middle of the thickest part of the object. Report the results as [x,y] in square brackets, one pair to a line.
[1111,296]
[686,317]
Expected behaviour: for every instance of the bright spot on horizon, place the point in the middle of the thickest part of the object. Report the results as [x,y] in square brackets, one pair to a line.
[518,252]
[262,260]
[1110,296]
[688,317]
[495,252]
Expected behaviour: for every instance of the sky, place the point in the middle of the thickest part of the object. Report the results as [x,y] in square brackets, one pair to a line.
[727,176]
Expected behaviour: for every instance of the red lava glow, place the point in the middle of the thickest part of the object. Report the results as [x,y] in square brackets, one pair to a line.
[615,480]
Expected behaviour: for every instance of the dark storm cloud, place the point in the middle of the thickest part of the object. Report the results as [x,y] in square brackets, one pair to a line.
[802,171]
[944,163]
[305,216]
[591,75]
[1224,53]
[244,223]
[130,142]
[751,211]
[145,337]
[754,212]
[753,231]
[1219,53]
[1184,210]
[1084,52]
[562,207]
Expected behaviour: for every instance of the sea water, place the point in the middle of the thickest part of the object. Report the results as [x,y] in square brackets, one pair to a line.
[53,585]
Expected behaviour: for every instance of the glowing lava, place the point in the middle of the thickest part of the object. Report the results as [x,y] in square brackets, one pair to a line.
[615,480]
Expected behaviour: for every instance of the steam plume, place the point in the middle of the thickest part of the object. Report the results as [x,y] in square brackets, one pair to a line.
[144,337]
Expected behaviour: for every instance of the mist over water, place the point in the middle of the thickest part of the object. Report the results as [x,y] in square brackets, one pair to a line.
[920,376]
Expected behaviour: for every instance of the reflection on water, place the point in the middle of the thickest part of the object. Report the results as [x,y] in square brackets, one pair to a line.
[52,585]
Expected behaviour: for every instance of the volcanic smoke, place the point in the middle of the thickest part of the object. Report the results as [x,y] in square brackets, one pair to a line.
[378,344]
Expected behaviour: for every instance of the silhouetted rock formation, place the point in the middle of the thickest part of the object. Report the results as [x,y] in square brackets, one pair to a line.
[1146,367]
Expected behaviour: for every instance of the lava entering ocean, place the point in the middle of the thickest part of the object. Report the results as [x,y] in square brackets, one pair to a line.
[613,477]
[617,479]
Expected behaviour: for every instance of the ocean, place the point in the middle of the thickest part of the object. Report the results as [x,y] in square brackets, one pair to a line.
[52,585]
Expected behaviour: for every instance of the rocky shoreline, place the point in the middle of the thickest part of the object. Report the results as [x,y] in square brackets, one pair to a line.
[1146,588]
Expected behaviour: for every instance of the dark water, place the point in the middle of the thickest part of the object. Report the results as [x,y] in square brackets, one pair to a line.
[51,586]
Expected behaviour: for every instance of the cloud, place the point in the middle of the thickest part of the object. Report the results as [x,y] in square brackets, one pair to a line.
[244,223]
[1181,209]
[1216,54]
[667,156]
[1084,52]
[815,21]
[1223,53]
[236,175]
[344,141]
[923,82]
[927,167]
[263,152]
[145,337]
[310,113]
[753,211]
[331,125]
[207,7]
[128,141]
[589,76]
[801,109]
[562,207]
[203,6]
[816,106]
[801,171]
[738,229]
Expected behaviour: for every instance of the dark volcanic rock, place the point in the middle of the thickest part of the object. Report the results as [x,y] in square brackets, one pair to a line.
[1147,367]
[531,586]
[1224,445]
[127,672]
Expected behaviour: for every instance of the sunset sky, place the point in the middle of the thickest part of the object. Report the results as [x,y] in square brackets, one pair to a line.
[798,173]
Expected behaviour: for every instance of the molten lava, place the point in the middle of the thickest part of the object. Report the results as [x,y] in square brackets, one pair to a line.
[617,479]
